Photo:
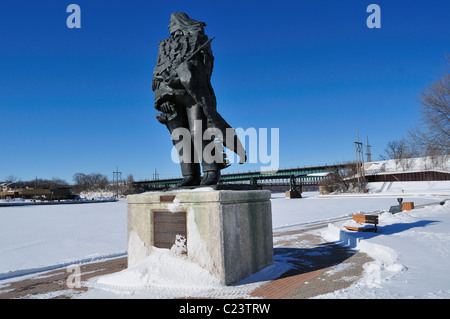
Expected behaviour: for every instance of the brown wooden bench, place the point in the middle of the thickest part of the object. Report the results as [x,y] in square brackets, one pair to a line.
[407,206]
[364,219]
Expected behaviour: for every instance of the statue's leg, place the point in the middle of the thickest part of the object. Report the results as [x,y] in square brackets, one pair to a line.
[190,167]
[198,124]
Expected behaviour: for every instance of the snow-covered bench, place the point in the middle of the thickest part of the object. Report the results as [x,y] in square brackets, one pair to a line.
[364,223]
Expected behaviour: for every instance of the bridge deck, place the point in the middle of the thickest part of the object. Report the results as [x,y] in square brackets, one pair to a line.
[304,176]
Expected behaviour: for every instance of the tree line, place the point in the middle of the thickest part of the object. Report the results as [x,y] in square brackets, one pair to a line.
[94,182]
[36,183]
[90,182]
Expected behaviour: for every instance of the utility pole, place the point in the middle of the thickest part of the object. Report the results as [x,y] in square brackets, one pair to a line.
[359,159]
[155,175]
[116,177]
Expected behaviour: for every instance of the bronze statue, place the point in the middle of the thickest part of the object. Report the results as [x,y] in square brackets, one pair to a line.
[184,95]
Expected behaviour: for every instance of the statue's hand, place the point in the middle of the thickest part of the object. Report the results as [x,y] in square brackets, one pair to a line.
[167,107]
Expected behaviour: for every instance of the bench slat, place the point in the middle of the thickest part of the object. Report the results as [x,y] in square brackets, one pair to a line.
[362,229]
[370,219]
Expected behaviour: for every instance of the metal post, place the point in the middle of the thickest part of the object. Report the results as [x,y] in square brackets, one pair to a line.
[116,177]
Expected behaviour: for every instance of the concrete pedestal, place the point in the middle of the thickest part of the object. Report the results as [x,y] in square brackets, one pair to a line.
[228,233]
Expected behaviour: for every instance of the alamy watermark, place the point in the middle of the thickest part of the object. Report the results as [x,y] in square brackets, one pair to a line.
[74,279]
[374,19]
[209,149]
[74,19]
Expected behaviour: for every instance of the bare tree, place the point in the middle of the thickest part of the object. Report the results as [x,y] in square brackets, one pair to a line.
[130,179]
[402,152]
[11,179]
[433,130]
[79,180]
[91,182]
[129,189]
[395,149]
[342,180]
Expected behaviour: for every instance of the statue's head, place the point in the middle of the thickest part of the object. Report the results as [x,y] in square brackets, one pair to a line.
[181,23]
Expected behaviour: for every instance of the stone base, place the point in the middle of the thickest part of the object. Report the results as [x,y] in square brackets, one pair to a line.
[293,194]
[228,233]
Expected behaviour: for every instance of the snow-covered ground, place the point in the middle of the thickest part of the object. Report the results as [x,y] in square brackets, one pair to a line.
[411,249]
[411,253]
[36,237]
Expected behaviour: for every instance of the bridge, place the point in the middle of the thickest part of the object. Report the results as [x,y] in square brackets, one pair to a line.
[300,176]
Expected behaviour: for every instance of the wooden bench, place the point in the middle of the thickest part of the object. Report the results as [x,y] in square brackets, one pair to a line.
[364,219]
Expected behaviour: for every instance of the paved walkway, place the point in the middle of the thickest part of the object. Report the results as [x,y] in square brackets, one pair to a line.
[317,268]
[54,283]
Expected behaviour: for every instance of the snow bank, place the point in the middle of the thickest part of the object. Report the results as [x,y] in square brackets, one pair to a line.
[163,268]
[168,274]
[97,194]
[12,200]
[410,188]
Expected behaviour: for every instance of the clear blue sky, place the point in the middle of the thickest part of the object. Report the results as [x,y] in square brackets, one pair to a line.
[80,100]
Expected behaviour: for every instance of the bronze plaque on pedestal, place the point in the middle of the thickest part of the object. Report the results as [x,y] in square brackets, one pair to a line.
[166,227]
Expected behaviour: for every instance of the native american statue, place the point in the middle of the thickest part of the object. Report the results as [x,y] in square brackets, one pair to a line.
[186,100]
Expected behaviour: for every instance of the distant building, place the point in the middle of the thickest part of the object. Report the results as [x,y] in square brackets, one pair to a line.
[37,193]
[409,169]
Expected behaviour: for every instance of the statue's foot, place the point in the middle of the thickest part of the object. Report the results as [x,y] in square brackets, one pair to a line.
[211,178]
[190,180]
